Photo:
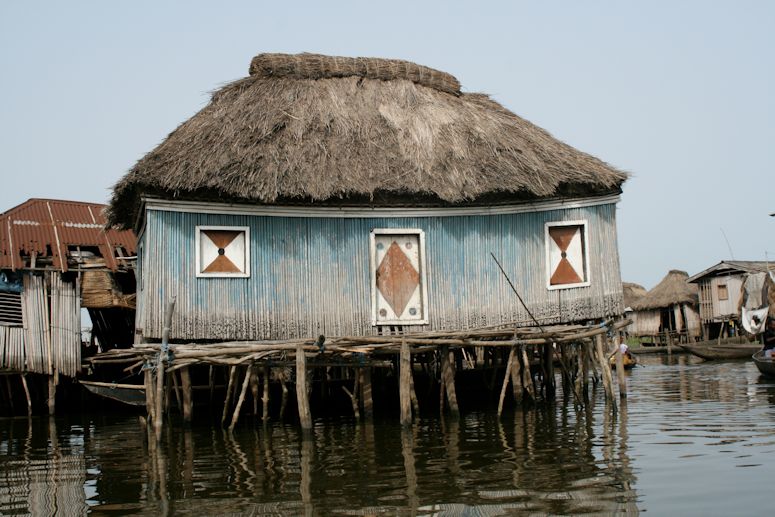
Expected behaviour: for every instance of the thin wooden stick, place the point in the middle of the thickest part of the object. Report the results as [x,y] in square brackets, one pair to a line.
[238,408]
[506,377]
[227,398]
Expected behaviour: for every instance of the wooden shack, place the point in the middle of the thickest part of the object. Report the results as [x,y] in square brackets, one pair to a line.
[668,312]
[719,295]
[327,196]
[55,259]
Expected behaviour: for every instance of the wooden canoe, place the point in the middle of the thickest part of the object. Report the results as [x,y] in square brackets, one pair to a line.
[712,352]
[766,366]
[132,394]
[628,360]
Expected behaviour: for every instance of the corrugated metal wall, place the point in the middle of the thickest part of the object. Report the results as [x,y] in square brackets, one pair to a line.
[310,276]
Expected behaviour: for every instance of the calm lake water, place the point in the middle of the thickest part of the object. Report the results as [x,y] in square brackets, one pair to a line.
[693,438]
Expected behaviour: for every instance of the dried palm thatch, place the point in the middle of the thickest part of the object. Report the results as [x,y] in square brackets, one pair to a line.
[632,293]
[672,290]
[310,128]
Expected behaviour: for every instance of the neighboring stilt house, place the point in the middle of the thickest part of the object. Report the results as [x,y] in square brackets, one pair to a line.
[342,196]
[56,258]
[720,291]
[668,312]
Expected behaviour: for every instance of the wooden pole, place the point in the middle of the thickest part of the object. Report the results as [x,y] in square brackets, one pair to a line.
[188,405]
[368,401]
[354,394]
[620,373]
[413,394]
[302,398]
[448,373]
[404,384]
[265,397]
[604,367]
[27,394]
[516,377]
[549,364]
[241,400]
[527,379]
[165,337]
[254,389]
[506,377]
[150,405]
[52,394]
[226,399]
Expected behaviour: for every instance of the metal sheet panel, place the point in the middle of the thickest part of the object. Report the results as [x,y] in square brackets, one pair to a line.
[311,276]
[47,227]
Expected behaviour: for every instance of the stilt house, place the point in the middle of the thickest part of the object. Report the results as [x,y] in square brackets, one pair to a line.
[668,312]
[719,291]
[340,196]
[56,258]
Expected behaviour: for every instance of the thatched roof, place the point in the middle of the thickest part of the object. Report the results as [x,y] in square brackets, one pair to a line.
[672,290]
[310,128]
[632,293]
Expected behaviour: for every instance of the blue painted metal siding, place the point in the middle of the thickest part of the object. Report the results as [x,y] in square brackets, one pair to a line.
[310,276]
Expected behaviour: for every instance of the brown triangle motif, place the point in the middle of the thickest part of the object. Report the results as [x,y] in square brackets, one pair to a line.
[397,279]
[221,238]
[564,274]
[562,235]
[222,265]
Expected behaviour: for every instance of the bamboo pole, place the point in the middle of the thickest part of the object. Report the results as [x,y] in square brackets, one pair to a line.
[188,405]
[527,378]
[302,397]
[404,384]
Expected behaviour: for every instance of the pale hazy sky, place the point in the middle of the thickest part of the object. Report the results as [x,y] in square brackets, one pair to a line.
[679,94]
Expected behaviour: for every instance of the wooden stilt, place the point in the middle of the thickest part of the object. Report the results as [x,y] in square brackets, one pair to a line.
[404,384]
[10,391]
[176,388]
[27,394]
[227,398]
[354,394]
[506,377]
[368,401]
[549,367]
[211,382]
[283,399]
[302,397]
[442,395]
[188,404]
[604,367]
[159,400]
[265,397]
[585,351]
[527,379]
[52,394]
[448,373]
[413,395]
[516,377]
[620,373]
[254,390]
[241,399]
[150,390]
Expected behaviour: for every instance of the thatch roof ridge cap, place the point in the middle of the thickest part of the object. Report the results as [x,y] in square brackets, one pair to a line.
[308,65]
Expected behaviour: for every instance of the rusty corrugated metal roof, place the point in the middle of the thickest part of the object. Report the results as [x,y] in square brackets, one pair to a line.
[49,227]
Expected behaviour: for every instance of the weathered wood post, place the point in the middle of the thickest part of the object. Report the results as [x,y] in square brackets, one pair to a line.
[506,377]
[265,397]
[165,343]
[368,401]
[527,378]
[516,377]
[241,400]
[227,398]
[604,366]
[150,390]
[620,373]
[302,397]
[254,389]
[188,404]
[549,361]
[448,375]
[27,394]
[52,393]
[404,383]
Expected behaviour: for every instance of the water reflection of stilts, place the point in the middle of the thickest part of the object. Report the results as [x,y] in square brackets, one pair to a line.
[407,450]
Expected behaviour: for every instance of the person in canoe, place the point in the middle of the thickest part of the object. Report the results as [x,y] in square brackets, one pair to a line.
[628,359]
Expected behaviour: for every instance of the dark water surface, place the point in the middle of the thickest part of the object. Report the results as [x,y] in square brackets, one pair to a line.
[693,438]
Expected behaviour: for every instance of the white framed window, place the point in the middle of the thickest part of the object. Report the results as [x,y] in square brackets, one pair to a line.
[399,294]
[222,251]
[567,245]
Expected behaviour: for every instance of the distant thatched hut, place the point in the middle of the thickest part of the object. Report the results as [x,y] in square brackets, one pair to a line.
[632,293]
[328,195]
[669,310]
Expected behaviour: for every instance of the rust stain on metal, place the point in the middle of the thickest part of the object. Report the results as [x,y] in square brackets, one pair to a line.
[48,228]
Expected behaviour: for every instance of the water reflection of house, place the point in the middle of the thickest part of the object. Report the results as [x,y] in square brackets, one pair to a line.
[668,312]
[369,193]
[719,294]
[55,259]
